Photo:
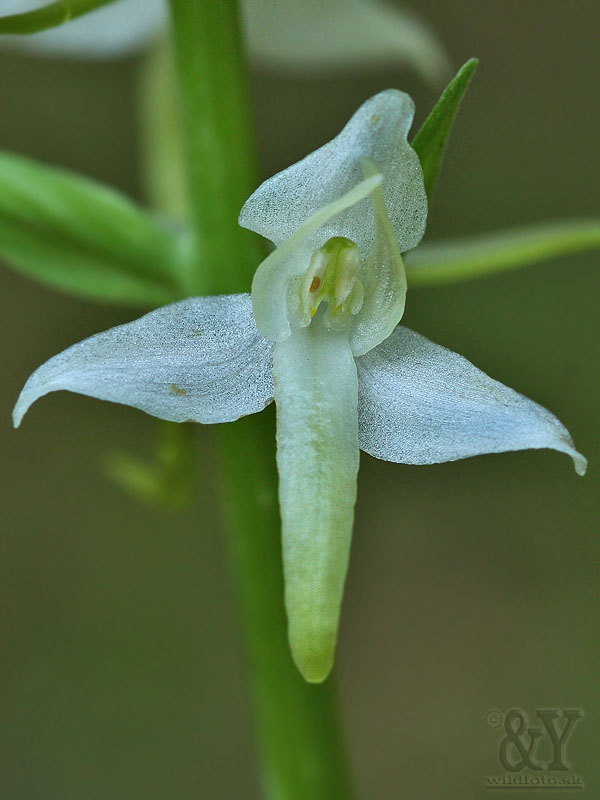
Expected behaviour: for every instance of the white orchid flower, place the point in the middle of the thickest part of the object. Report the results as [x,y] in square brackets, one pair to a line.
[320,336]
[305,35]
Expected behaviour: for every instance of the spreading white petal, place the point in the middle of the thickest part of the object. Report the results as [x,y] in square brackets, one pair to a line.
[201,360]
[313,35]
[317,457]
[112,30]
[420,403]
[292,258]
[377,132]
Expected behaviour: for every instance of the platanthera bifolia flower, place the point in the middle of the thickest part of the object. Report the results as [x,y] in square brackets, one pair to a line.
[301,35]
[320,336]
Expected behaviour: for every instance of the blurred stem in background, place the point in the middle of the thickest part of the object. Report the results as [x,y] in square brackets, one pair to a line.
[298,726]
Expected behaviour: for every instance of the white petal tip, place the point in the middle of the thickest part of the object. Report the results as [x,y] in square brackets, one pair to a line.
[29,394]
[566,445]
[580,463]
[19,411]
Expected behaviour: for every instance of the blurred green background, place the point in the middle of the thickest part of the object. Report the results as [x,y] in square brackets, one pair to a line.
[472,586]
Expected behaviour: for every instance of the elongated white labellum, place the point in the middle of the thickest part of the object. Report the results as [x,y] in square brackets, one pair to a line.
[316,392]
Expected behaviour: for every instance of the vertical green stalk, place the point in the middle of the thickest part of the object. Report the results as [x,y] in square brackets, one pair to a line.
[298,726]
[219,142]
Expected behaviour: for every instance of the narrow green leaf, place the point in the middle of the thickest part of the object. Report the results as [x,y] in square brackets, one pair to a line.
[80,236]
[457,260]
[430,141]
[49,16]
[65,266]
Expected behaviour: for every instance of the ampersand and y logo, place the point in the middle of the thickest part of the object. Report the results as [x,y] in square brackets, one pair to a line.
[518,748]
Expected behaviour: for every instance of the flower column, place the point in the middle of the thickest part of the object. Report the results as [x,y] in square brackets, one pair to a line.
[298,723]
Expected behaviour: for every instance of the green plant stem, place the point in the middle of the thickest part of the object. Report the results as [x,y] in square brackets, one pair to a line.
[220,152]
[298,727]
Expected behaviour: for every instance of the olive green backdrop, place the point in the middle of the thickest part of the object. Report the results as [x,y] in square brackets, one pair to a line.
[473,586]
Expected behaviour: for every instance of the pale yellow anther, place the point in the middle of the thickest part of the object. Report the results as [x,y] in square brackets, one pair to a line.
[346,272]
[332,277]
